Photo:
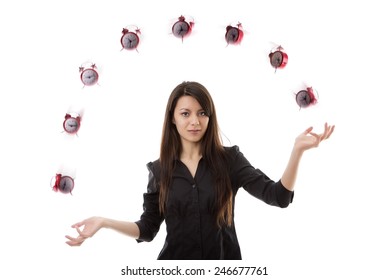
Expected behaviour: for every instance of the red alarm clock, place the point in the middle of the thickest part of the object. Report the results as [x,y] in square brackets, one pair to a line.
[130,38]
[89,75]
[278,58]
[306,98]
[182,28]
[234,34]
[63,184]
[72,124]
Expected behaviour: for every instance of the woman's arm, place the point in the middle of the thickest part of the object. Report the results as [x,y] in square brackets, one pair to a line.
[94,224]
[303,142]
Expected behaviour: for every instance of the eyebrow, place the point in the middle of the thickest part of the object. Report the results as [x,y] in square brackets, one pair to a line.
[189,109]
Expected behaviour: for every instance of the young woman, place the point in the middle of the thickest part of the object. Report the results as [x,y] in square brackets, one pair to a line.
[192,186]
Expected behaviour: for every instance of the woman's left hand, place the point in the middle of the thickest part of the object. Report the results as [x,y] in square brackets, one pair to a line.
[308,139]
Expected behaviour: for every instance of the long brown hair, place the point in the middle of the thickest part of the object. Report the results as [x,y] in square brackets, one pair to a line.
[211,148]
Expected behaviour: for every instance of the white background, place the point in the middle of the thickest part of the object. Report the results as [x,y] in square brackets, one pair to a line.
[337,225]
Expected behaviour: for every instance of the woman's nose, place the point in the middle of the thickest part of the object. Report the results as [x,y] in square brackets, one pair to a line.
[195,121]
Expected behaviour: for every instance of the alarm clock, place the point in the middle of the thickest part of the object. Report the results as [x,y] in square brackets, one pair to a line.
[130,38]
[278,58]
[89,75]
[71,124]
[234,35]
[182,28]
[306,98]
[63,184]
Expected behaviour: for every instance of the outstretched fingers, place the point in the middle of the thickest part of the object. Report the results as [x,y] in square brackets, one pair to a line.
[328,130]
[78,225]
[81,233]
[308,130]
[72,241]
[75,241]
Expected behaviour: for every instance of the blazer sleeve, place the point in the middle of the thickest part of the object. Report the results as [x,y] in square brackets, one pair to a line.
[151,219]
[255,182]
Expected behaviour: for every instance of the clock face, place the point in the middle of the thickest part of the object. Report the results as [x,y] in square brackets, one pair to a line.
[66,184]
[232,35]
[276,59]
[130,41]
[71,125]
[181,29]
[303,98]
[89,77]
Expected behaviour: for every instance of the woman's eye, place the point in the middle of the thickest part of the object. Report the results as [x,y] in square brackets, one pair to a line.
[203,114]
[185,114]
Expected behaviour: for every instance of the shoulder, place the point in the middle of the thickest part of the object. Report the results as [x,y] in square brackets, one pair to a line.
[232,155]
[236,158]
[154,166]
[232,151]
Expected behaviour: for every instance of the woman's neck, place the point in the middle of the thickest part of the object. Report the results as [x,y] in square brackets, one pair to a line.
[191,151]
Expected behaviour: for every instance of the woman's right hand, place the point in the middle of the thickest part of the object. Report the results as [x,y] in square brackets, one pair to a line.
[89,227]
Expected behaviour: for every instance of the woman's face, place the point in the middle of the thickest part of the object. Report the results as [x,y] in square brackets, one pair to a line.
[190,119]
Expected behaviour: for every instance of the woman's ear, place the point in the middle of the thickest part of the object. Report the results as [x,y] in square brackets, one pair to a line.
[173,121]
